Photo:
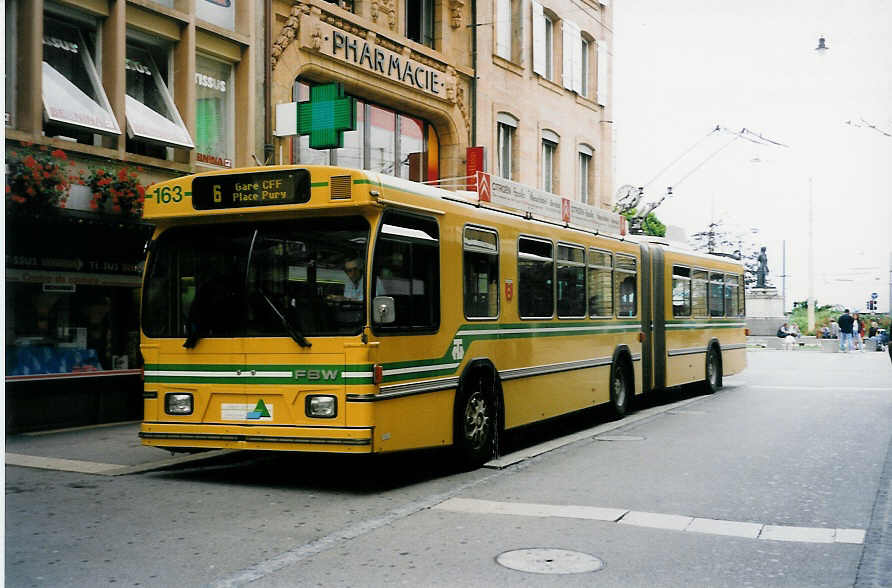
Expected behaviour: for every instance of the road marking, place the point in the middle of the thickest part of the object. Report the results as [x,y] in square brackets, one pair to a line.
[104,469]
[833,388]
[655,520]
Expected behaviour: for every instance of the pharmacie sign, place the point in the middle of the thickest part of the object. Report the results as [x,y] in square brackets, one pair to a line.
[364,54]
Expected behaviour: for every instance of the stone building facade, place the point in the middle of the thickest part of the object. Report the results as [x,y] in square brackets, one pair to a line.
[529,82]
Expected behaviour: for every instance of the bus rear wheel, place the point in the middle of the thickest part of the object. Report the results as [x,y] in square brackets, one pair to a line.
[713,372]
[475,425]
[620,389]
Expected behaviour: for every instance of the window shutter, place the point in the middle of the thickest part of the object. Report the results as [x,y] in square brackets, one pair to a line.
[603,89]
[538,38]
[503,28]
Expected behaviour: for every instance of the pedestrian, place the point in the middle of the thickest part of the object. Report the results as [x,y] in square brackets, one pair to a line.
[834,330]
[857,332]
[785,333]
[845,322]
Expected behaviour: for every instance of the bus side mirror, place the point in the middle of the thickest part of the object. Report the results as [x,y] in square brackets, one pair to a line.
[383,311]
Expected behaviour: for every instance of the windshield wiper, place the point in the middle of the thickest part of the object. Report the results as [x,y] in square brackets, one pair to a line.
[292,331]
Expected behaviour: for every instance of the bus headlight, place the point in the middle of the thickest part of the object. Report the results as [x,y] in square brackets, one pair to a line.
[178,403]
[321,407]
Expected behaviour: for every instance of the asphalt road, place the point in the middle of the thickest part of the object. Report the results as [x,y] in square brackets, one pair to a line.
[780,479]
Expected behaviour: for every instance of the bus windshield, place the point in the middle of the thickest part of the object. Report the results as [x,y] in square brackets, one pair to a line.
[291,278]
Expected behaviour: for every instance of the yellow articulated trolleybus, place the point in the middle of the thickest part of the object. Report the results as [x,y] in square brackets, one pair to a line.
[327,309]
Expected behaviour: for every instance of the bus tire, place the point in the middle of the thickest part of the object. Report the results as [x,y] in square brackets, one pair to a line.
[713,380]
[620,388]
[475,423]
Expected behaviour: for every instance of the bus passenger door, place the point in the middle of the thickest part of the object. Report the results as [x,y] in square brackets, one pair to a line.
[646,318]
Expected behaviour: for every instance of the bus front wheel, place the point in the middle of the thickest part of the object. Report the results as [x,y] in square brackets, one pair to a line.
[475,425]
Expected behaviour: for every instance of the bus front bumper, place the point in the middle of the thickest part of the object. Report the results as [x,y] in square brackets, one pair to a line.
[248,437]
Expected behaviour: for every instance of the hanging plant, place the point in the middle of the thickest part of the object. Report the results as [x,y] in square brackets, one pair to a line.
[116,192]
[37,180]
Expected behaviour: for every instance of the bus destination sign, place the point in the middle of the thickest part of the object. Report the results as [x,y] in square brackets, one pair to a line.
[260,188]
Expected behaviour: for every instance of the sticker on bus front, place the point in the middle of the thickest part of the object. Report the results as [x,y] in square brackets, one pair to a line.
[247,412]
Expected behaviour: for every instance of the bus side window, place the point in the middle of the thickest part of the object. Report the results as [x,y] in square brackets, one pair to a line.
[406,268]
[626,284]
[535,277]
[698,296]
[481,273]
[716,295]
[681,291]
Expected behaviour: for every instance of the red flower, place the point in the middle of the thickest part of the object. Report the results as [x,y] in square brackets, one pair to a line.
[8,189]
[94,204]
[30,191]
[18,198]
[29,162]
[122,174]
[59,154]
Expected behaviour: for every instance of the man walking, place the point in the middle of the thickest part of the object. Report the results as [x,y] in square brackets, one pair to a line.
[845,322]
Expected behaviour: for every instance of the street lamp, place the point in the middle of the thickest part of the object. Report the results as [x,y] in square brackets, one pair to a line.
[821,50]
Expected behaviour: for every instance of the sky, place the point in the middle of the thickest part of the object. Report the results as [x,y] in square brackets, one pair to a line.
[682,68]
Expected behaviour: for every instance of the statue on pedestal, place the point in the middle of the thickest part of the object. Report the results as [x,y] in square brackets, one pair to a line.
[762,270]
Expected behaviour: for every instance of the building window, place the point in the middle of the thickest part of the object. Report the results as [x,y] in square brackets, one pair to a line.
[509,31]
[570,282]
[506,128]
[217,12]
[214,112]
[600,283]
[535,270]
[153,121]
[549,48]
[406,268]
[481,273]
[626,284]
[420,21]
[681,291]
[585,173]
[584,67]
[549,154]
[75,105]
[384,141]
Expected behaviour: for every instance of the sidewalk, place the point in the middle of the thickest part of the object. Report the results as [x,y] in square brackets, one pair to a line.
[108,450]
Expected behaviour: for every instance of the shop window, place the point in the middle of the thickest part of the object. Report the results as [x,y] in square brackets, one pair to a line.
[420,21]
[507,128]
[411,148]
[214,112]
[681,291]
[406,268]
[716,296]
[698,293]
[600,283]
[382,140]
[481,273]
[535,270]
[73,328]
[626,284]
[153,121]
[75,105]
[217,12]
[10,30]
[570,282]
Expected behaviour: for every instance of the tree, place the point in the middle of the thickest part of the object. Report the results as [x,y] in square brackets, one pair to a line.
[650,225]
[718,239]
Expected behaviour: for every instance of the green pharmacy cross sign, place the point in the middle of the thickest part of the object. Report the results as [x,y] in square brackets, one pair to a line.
[326,115]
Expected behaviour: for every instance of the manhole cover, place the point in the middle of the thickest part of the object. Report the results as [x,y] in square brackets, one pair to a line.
[550,561]
[619,438]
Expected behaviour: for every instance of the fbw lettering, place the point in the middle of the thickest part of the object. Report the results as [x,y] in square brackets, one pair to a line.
[316,374]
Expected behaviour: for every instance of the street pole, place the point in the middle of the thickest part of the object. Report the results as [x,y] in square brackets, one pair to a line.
[811,259]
